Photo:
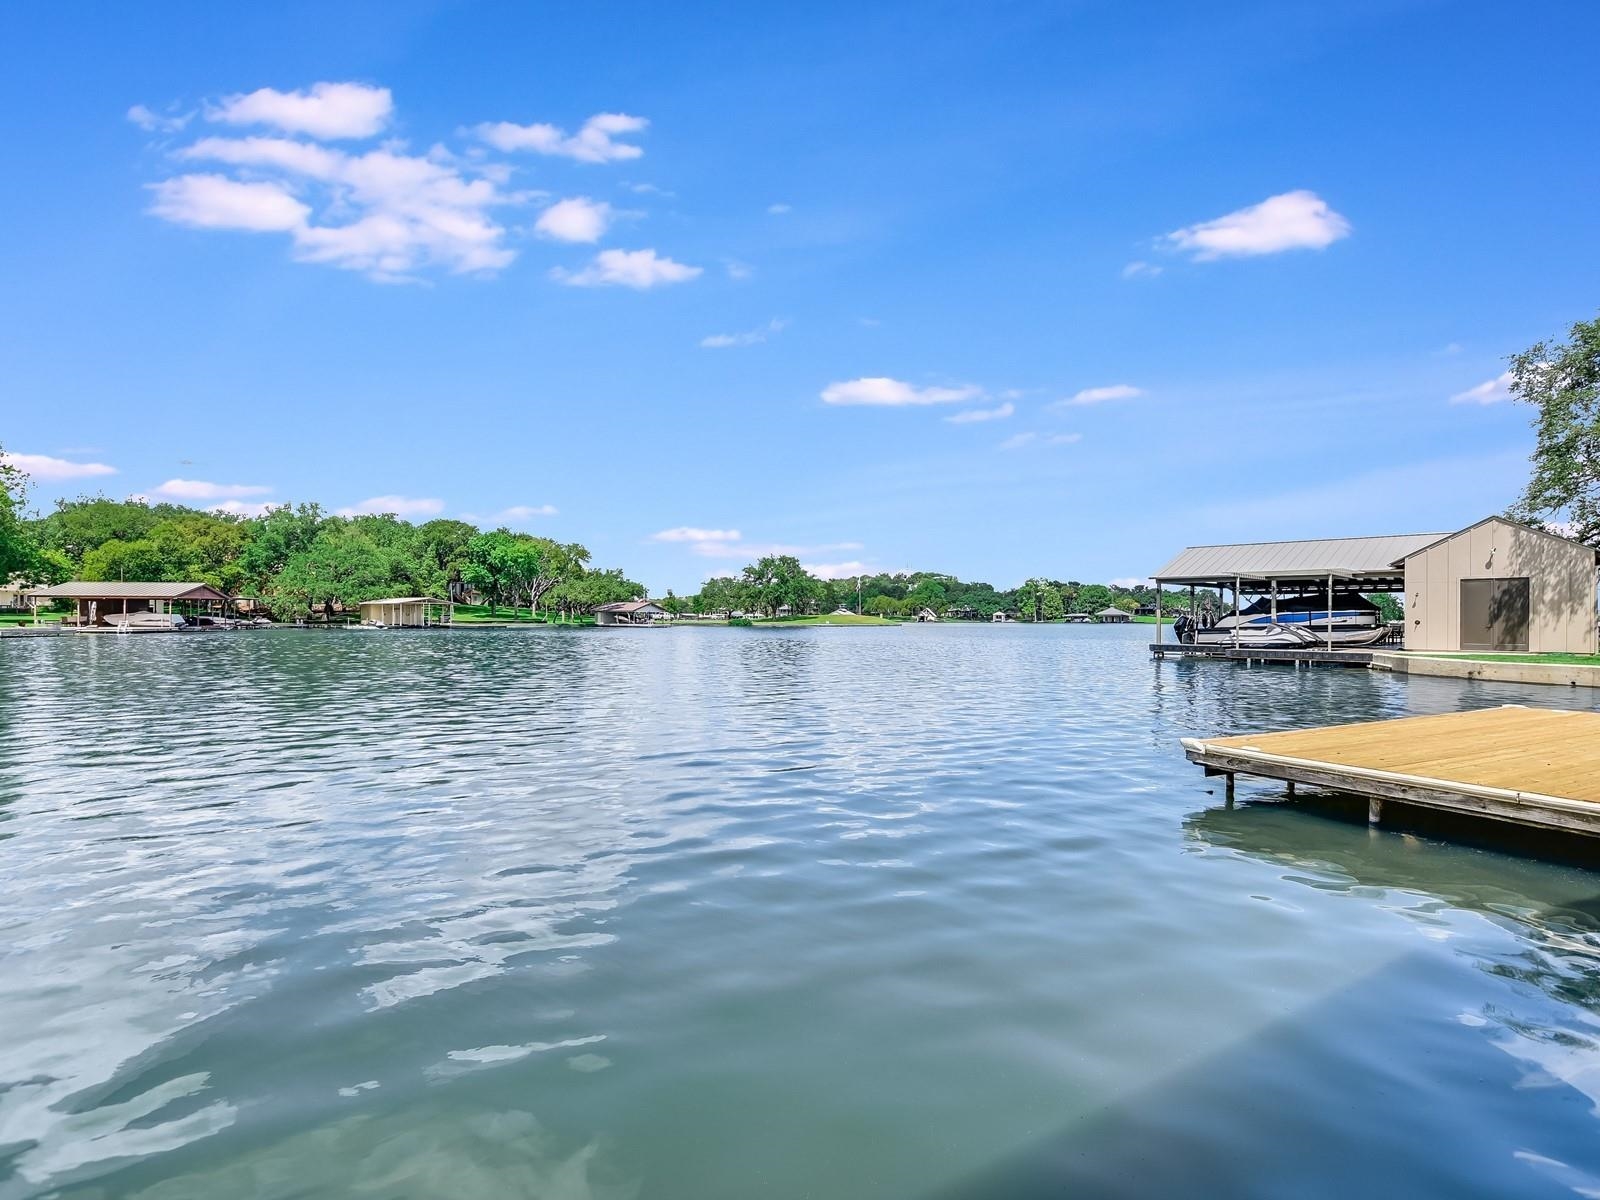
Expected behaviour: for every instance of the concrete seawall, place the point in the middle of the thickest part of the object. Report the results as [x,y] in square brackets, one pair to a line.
[1565,675]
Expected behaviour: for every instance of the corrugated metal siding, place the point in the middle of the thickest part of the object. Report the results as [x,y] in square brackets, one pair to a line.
[1368,555]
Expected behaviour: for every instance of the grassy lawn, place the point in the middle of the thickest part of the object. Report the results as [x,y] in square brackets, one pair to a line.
[479,614]
[23,618]
[828,619]
[1563,660]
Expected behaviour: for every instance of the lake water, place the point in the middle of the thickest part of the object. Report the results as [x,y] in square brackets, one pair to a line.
[933,912]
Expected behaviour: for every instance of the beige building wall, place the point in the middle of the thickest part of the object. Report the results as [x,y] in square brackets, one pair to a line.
[1561,587]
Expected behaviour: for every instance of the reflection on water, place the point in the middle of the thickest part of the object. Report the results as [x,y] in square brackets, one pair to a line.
[700,913]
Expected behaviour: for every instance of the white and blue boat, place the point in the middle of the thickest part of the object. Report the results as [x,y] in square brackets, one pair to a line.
[1297,622]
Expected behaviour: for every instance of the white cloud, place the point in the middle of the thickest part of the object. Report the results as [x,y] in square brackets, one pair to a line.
[752,337]
[217,202]
[1299,220]
[648,189]
[1491,391]
[1099,395]
[777,210]
[1020,441]
[42,466]
[526,512]
[200,489]
[737,270]
[245,508]
[578,219]
[153,122]
[594,143]
[639,269]
[325,110]
[1127,581]
[688,533]
[880,391]
[971,415]
[400,506]
[1140,270]
[382,212]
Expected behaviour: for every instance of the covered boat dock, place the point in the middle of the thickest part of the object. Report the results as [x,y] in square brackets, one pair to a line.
[1317,567]
[1537,767]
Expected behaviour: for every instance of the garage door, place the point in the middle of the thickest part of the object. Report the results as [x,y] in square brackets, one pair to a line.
[1494,614]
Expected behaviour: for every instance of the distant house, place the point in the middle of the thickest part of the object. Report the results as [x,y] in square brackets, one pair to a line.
[14,593]
[1001,618]
[927,616]
[960,612]
[98,602]
[1112,616]
[406,612]
[628,612]
[783,610]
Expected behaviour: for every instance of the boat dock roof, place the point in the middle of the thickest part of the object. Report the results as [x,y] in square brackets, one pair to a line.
[1531,766]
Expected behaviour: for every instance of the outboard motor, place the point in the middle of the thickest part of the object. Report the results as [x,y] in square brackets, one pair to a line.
[1183,627]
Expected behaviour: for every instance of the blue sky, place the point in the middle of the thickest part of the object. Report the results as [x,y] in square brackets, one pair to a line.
[691,284]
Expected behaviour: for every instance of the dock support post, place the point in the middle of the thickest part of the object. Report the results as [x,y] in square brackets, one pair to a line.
[1227,790]
[1374,810]
[1291,789]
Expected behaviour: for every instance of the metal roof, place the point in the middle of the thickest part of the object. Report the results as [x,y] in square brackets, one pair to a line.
[1344,557]
[629,606]
[405,600]
[81,590]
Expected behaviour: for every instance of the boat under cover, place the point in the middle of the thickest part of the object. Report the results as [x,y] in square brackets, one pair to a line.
[1304,622]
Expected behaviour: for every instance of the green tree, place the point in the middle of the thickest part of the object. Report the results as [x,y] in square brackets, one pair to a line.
[274,538]
[79,526]
[19,550]
[778,580]
[1092,598]
[1562,381]
[342,567]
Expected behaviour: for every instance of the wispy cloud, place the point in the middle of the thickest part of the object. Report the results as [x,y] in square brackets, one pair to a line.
[1491,391]
[1021,441]
[638,269]
[972,415]
[1140,269]
[400,506]
[1100,395]
[578,219]
[44,467]
[151,121]
[1299,220]
[752,337]
[882,392]
[200,489]
[596,142]
[689,533]
[325,110]
[1127,581]
[778,210]
[838,570]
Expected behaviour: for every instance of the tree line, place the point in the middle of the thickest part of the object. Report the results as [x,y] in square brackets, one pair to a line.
[779,583]
[298,561]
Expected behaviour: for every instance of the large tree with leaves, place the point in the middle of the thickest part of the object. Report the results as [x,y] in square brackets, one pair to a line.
[1562,381]
[19,553]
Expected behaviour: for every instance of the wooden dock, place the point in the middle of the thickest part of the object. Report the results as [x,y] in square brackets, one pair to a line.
[1360,657]
[1533,766]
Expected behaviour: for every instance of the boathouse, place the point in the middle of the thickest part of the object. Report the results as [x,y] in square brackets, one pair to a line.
[1112,616]
[96,602]
[1501,586]
[1495,585]
[406,612]
[628,612]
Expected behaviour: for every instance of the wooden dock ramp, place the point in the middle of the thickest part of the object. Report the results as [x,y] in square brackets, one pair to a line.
[1533,766]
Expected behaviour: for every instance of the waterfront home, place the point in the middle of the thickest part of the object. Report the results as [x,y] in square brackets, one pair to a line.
[98,602]
[1112,616]
[406,612]
[628,612]
[1001,618]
